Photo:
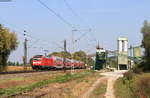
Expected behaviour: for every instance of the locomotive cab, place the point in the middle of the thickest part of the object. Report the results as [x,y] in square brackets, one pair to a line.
[36,61]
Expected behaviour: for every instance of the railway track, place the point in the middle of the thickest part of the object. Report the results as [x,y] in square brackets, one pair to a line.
[15,72]
[30,71]
[25,71]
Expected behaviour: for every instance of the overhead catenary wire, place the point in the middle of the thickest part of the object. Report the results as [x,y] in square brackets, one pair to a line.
[73,11]
[56,14]
[83,34]
[61,18]
[31,38]
[46,43]
[77,16]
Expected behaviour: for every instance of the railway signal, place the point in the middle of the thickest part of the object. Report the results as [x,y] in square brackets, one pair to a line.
[25,50]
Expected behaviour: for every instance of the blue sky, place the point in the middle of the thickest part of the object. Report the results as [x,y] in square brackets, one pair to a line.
[107,19]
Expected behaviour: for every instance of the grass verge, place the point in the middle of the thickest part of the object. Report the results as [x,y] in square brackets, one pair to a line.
[122,90]
[13,79]
[137,86]
[60,79]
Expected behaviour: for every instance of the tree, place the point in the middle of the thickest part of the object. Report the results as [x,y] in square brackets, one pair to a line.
[146,44]
[90,62]
[17,63]
[8,43]
[61,54]
[80,55]
[65,54]
[55,54]
[112,61]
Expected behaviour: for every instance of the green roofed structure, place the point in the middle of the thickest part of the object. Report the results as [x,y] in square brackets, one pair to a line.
[100,58]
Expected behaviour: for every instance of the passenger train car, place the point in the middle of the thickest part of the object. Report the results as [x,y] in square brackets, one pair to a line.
[54,62]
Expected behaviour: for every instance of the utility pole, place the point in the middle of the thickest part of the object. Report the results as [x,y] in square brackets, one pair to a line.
[73,42]
[65,51]
[25,50]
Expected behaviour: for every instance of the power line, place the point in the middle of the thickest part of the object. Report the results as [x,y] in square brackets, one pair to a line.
[83,35]
[37,40]
[56,14]
[52,11]
[61,18]
[77,16]
[72,10]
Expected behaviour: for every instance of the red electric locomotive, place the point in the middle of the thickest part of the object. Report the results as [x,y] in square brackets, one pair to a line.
[54,62]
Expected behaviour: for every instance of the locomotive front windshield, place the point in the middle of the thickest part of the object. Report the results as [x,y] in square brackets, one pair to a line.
[37,58]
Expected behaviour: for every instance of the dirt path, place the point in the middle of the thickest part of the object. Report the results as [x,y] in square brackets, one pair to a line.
[88,93]
[112,77]
[110,89]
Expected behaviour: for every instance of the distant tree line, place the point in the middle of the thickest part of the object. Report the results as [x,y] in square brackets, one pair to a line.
[9,63]
[79,55]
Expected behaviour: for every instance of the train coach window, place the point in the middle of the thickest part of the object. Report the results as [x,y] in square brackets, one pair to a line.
[58,59]
[47,56]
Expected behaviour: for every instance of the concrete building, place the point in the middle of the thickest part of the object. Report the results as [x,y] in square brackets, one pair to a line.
[122,53]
